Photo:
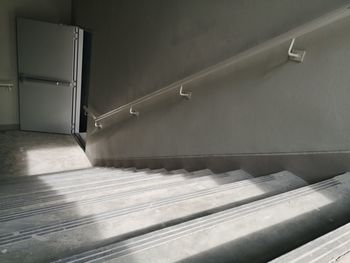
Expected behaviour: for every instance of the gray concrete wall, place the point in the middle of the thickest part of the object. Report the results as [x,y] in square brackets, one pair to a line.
[263,105]
[56,11]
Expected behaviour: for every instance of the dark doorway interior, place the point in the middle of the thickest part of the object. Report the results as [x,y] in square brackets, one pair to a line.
[85,78]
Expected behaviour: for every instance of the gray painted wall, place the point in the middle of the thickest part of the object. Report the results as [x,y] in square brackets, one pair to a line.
[56,11]
[263,105]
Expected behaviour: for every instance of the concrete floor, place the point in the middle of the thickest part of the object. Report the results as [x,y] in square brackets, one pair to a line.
[30,153]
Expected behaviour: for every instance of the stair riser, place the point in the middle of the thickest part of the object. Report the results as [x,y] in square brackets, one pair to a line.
[328,248]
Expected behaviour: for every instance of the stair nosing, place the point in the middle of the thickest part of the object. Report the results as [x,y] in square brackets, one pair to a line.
[239,212]
[74,223]
[104,198]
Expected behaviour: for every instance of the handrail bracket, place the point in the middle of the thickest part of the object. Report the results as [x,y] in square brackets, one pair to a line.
[89,113]
[98,125]
[296,54]
[186,95]
[134,112]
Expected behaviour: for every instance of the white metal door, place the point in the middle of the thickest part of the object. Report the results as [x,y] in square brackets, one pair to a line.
[47,56]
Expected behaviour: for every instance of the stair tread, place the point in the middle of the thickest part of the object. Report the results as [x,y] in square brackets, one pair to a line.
[332,247]
[57,176]
[84,180]
[25,218]
[96,204]
[106,188]
[241,234]
[114,223]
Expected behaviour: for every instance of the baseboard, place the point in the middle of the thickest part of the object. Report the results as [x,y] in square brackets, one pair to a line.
[9,127]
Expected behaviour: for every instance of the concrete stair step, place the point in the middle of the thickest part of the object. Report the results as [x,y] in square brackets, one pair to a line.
[67,175]
[104,188]
[75,175]
[117,179]
[255,232]
[44,185]
[62,238]
[27,215]
[65,210]
[332,247]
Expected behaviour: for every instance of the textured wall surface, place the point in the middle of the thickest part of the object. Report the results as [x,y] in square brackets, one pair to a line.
[266,104]
[56,11]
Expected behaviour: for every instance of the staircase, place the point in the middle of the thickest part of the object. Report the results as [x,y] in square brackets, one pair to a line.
[130,215]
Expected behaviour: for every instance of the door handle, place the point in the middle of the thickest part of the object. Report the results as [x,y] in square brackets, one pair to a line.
[8,85]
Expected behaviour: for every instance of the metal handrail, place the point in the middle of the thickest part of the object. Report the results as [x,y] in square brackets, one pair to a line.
[293,54]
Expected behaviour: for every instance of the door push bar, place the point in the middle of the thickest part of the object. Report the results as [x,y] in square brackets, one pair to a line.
[45,80]
[8,86]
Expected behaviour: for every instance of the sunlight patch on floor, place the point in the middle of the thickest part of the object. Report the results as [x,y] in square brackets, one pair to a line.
[55,159]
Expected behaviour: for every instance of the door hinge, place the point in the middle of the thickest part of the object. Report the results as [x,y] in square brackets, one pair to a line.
[76,34]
